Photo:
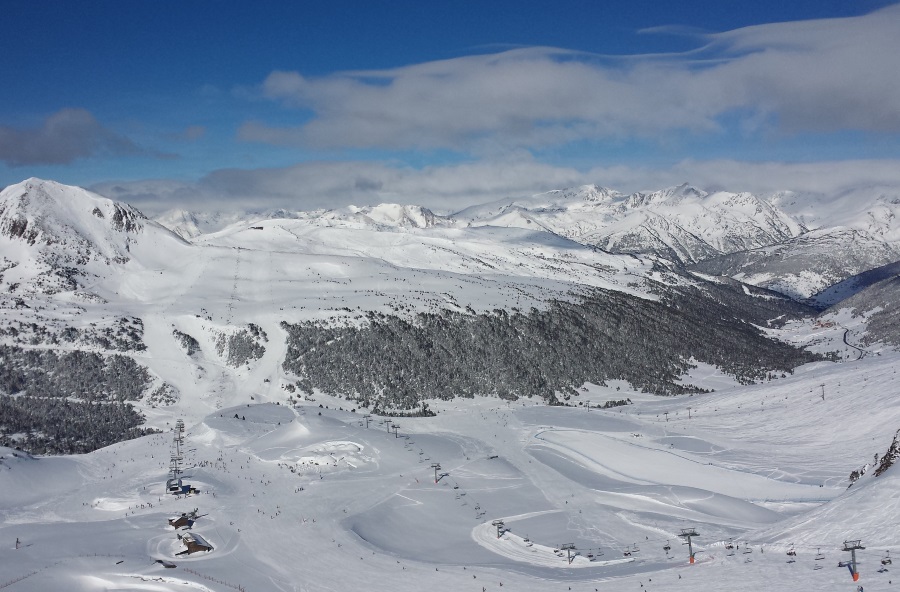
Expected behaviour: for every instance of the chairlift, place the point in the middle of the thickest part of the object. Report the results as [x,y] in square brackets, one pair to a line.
[747,550]
[819,555]
[792,552]
[886,560]
[730,544]
[627,553]
[667,547]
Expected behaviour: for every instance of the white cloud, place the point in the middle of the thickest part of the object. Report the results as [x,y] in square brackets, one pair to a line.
[449,188]
[823,75]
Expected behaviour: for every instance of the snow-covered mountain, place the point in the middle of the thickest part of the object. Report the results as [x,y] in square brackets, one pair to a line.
[873,296]
[682,224]
[56,238]
[191,224]
[795,244]
[806,265]
[238,303]
[873,210]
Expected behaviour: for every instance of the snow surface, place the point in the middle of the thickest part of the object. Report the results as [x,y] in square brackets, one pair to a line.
[309,498]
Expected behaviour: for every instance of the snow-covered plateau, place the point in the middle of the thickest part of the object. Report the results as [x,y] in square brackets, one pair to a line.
[298,482]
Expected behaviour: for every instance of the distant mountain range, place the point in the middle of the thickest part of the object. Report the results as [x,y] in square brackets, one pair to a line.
[793,244]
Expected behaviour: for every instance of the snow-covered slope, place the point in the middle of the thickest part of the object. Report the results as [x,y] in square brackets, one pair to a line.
[58,238]
[313,497]
[795,244]
[681,223]
[298,491]
[191,224]
[874,210]
[804,266]
[873,296]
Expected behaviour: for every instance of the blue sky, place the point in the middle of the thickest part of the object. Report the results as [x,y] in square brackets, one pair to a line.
[313,104]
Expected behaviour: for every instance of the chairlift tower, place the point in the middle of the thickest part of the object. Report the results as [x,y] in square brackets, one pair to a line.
[568,548]
[387,425]
[173,484]
[367,418]
[687,533]
[395,427]
[499,526]
[436,467]
[852,546]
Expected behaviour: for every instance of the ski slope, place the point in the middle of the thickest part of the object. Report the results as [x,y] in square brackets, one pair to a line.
[309,498]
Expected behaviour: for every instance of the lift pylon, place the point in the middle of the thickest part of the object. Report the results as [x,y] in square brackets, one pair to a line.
[687,533]
[853,546]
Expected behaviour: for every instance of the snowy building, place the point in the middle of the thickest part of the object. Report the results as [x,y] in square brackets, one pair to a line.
[194,543]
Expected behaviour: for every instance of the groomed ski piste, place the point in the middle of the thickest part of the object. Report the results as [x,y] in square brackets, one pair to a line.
[314,497]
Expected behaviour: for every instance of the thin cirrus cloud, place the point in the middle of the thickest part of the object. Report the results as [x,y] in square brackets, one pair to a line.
[63,137]
[811,76]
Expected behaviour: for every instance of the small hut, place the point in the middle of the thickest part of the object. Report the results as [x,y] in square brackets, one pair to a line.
[186,519]
[194,543]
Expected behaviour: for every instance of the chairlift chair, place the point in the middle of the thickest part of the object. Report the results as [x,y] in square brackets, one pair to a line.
[886,560]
